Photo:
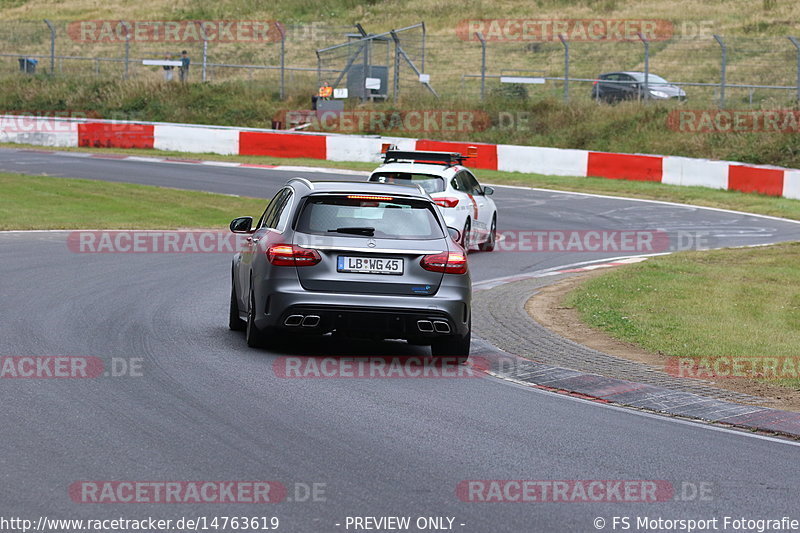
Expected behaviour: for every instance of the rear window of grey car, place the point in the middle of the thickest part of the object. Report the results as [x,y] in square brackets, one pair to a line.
[354,216]
[429,183]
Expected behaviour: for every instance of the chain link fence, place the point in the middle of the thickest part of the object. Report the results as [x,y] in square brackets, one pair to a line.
[712,70]
[409,62]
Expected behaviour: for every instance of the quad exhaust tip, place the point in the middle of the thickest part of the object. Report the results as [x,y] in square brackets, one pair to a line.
[425,326]
[307,321]
[441,327]
[311,321]
[437,326]
[293,320]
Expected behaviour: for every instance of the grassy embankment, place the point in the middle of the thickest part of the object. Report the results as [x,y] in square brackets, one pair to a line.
[34,202]
[733,303]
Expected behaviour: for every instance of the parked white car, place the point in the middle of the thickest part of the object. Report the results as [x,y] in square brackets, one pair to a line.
[466,204]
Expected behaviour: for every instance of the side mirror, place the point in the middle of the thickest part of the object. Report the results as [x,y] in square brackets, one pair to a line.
[488,191]
[242,225]
[454,234]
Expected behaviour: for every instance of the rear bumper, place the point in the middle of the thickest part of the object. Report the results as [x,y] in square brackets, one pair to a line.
[292,309]
[369,322]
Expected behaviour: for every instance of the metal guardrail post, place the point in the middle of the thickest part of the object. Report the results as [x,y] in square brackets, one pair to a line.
[796,44]
[52,46]
[479,35]
[646,65]
[723,67]
[566,65]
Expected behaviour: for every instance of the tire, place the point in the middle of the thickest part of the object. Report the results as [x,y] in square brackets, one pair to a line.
[489,244]
[465,241]
[234,322]
[255,337]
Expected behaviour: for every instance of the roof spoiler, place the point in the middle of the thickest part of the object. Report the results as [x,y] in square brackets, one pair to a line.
[391,154]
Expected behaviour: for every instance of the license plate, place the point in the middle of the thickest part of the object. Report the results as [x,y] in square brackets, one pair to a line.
[370,265]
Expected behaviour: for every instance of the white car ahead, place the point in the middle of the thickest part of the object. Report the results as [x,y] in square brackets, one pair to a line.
[466,205]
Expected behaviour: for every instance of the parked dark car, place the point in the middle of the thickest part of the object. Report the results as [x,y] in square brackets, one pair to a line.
[361,259]
[617,86]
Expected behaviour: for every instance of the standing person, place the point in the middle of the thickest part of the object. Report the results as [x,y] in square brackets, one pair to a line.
[168,68]
[325,92]
[184,69]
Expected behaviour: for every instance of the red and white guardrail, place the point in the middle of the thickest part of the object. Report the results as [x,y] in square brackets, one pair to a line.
[68,132]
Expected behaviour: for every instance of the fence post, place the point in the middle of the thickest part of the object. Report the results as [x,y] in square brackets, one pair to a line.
[424,32]
[52,46]
[319,69]
[796,44]
[205,57]
[566,66]
[646,65]
[366,70]
[127,48]
[479,35]
[723,67]
[396,77]
[396,66]
[283,58]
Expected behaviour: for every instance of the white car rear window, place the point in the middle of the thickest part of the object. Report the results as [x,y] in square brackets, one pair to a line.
[429,182]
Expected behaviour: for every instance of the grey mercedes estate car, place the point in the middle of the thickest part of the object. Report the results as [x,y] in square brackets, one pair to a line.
[366,260]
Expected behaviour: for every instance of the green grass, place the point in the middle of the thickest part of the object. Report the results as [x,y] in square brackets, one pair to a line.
[701,196]
[741,302]
[34,202]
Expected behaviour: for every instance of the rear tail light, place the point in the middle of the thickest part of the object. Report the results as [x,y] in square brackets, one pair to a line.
[291,255]
[447,262]
[446,202]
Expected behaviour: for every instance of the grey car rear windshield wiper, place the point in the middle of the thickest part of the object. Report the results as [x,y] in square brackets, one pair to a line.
[355,230]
